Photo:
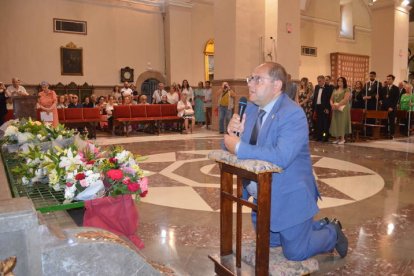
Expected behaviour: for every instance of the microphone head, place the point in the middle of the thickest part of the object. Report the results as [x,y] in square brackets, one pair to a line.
[243,101]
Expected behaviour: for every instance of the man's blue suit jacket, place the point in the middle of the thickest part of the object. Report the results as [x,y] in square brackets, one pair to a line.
[283,140]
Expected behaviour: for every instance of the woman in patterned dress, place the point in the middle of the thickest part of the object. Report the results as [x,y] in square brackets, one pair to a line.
[305,100]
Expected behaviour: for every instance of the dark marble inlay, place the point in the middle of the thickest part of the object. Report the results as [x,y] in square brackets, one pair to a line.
[210,195]
[328,191]
[187,156]
[154,166]
[198,236]
[159,180]
[370,242]
[315,159]
[334,173]
[191,170]
[215,170]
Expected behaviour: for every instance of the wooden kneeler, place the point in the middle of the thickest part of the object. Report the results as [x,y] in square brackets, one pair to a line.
[261,172]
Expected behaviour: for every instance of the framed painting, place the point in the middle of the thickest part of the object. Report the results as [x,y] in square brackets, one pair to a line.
[71,60]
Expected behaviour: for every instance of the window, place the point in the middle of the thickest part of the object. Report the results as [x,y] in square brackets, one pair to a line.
[347,27]
[209,60]
[309,51]
[69,26]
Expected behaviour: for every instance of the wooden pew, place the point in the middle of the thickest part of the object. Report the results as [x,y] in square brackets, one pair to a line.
[379,116]
[357,122]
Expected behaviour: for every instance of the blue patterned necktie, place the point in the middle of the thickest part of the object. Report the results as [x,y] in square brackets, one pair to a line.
[256,128]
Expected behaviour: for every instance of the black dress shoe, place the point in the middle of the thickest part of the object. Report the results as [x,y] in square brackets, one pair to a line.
[342,241]
[324,221]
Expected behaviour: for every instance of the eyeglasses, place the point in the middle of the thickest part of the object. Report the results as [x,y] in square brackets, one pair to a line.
[257,79]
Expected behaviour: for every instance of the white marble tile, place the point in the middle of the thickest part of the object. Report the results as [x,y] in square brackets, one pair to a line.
[338,164]
[178,197]
[328,202]
[357,187]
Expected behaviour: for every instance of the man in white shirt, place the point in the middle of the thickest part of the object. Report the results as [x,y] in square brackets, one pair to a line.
[16,89]
[126,91]
[157,96]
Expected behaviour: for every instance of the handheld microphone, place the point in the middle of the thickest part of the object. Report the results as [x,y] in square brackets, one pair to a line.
[242,109]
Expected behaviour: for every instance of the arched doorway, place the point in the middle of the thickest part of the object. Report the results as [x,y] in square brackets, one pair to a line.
[209,60]
[148,87]
[148,81]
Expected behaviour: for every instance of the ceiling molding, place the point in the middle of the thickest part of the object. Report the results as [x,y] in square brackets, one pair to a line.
[180,3]
[319,20]
[147,6]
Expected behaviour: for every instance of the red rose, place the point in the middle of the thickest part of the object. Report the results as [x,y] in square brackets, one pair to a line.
[90,162]
[115,174]
[80,176]
[112,160]
[133,187]
[68,184]
[144,194]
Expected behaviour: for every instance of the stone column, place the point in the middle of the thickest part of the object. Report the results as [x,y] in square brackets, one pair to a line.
[288,36]
[238,38]
[249,32]
[390,28]
[177,25]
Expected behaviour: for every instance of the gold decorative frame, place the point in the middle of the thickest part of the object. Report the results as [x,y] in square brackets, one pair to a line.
[71,60]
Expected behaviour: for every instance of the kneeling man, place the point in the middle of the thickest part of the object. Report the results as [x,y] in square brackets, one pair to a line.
[274,129]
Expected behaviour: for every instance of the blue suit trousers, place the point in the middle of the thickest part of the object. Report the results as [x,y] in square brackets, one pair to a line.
[303,240]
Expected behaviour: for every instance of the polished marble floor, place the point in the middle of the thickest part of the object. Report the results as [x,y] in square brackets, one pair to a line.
[368,185]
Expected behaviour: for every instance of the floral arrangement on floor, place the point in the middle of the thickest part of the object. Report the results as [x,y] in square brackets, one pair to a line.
[26,132]
[84,171]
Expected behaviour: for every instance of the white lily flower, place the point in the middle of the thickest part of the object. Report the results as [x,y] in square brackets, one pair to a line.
[69,161]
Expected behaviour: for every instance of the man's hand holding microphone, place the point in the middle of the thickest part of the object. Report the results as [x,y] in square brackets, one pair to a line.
[236,127]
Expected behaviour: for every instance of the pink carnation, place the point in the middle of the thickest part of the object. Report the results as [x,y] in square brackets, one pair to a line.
[68,184]
[115,174]
[84,183]
[144,184]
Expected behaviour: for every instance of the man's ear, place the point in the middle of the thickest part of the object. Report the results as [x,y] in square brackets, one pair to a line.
[278,84]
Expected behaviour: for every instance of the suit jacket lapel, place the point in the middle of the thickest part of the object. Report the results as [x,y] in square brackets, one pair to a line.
[267,125]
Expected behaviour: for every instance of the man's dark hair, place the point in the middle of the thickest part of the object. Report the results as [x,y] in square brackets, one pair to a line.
[277,72]
[373,73]
[391,76]
[320,77]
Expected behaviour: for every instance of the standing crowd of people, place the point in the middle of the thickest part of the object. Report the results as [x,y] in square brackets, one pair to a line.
[328,105]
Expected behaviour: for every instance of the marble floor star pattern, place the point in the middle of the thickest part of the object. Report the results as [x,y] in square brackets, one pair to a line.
[368,185]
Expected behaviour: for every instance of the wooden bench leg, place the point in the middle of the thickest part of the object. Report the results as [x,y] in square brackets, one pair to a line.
[376,132]
[239,222]
[226,215]
[263,225]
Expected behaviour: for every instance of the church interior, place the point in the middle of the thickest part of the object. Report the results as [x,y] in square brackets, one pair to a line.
[367,183]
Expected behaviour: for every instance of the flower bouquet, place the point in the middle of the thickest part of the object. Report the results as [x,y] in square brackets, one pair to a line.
[21,134]
[107,181]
